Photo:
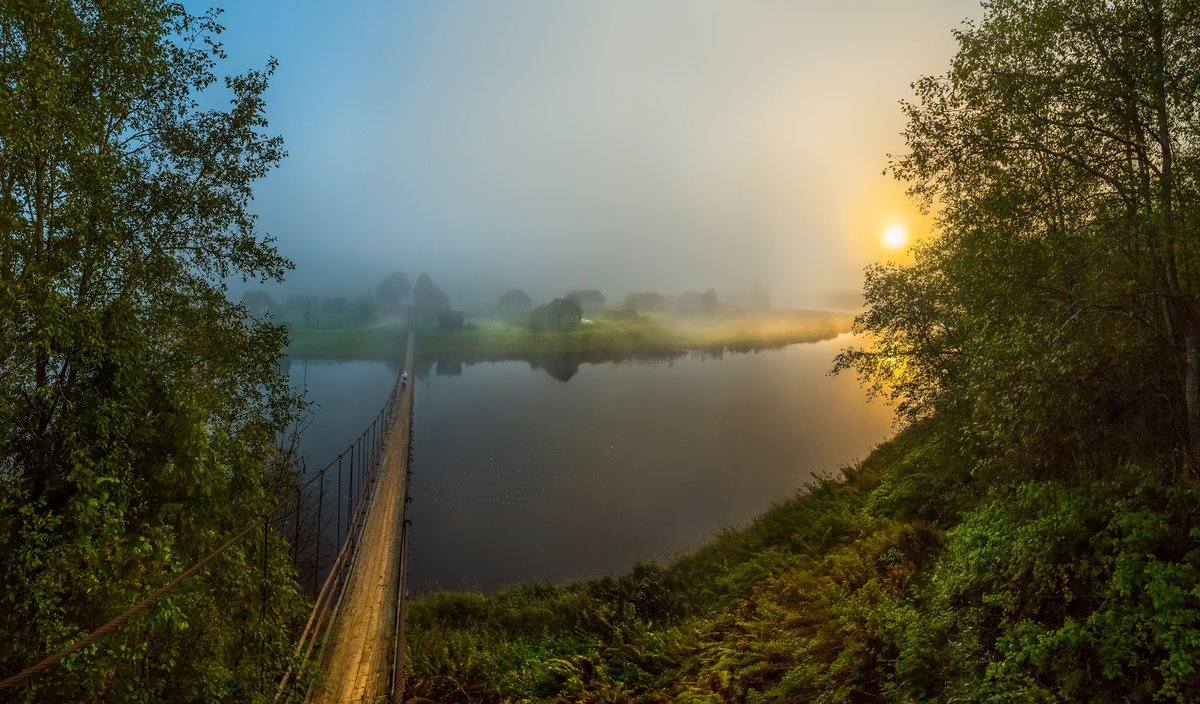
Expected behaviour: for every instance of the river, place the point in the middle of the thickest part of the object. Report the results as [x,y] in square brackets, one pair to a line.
[559,473]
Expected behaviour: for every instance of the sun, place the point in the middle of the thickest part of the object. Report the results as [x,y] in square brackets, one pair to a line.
[895,236]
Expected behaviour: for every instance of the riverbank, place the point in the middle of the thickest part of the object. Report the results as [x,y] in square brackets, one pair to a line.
[494,339]
[909,578]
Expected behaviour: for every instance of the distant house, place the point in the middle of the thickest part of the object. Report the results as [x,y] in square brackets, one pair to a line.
[645,301]
[589,300]
[562,311]
[515,303]
[451,319]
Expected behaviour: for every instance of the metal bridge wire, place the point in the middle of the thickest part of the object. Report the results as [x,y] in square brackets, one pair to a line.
[150,600]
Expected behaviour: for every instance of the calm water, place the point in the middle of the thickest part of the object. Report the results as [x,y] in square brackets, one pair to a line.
[346,397]
[520,475]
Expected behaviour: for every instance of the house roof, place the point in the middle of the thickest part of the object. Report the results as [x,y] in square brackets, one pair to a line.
[515,297]
[563,306]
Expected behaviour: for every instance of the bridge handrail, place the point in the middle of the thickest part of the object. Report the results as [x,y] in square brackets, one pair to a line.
[328,597]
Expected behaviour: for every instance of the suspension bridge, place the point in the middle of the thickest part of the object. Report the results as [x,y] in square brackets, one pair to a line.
[347,525]
[363,660]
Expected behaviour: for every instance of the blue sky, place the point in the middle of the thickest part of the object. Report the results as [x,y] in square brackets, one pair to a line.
[628,146]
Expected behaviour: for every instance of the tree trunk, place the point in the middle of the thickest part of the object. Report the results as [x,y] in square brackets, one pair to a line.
[1191,390]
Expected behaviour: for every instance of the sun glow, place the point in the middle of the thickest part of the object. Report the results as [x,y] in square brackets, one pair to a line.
[895,236]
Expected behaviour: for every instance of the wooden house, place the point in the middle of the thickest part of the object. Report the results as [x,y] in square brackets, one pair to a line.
[515,303]
[562,311]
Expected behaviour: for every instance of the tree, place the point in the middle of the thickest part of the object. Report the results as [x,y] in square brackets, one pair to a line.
[1061,149]
[138,406]
[708,302]
[393,290]
[428,298]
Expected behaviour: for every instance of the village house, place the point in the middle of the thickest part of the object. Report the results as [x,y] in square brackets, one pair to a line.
[515,303]
[562,311]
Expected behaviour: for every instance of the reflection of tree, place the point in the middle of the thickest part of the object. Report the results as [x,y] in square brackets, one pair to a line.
[449,367]
[422,366]
[565,366]
[562,368]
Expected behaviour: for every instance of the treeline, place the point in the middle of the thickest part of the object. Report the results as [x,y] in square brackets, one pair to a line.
[1032,535]
[390,299]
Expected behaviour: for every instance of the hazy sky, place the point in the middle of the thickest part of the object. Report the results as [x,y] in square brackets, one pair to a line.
[625,145]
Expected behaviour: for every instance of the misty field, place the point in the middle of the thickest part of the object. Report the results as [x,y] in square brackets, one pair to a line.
[496,339]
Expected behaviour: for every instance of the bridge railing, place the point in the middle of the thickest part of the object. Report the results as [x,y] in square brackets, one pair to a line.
[356,469]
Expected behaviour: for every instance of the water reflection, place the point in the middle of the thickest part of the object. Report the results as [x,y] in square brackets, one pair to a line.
[519,476]
[563,367]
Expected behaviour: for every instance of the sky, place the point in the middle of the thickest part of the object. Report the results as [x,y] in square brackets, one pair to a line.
[625,145]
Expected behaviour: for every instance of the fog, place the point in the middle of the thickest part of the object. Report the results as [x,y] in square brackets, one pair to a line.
[626,146]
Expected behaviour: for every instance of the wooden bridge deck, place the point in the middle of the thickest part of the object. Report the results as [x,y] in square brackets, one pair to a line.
[356,663]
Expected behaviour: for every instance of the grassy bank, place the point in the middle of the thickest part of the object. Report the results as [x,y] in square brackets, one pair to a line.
[382,342]
[494,339]
[911,579]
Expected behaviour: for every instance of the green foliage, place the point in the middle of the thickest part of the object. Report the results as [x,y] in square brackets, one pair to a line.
[393,290]
[1054,314]
[428,299]
[583,642]
[138,406]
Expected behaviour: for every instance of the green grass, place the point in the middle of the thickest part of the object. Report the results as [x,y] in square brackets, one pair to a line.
[381,343]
